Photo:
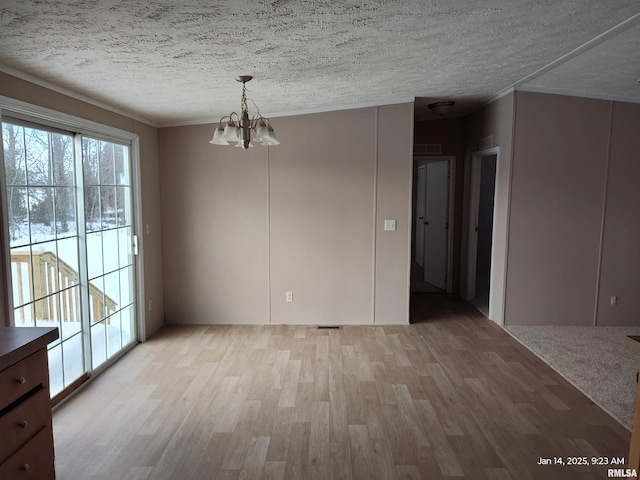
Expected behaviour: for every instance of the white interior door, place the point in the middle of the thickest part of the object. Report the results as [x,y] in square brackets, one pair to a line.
[419,220]
[436,223]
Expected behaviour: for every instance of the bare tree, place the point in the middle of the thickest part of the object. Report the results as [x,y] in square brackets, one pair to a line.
[14,158]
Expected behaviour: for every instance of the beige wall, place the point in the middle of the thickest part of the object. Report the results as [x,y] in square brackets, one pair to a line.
[19,89]
[307,216]
[151,243]
[560,191]
[321,218]
[242,228]
[620,265]
[393,202]
[495,119]
[215,217]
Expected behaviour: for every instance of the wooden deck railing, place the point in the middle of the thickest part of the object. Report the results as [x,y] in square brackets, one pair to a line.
[41,266]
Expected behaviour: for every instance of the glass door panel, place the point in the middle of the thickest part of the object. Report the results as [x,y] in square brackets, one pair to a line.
[110,263]
[40,169]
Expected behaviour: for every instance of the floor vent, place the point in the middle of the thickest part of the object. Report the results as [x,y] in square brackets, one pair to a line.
[329,327]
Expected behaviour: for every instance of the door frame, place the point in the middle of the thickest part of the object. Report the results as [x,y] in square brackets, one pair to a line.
[472,241]
[419,221]
[419,160]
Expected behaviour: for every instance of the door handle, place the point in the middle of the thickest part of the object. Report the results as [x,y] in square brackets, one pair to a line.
[426,223]
[420,218]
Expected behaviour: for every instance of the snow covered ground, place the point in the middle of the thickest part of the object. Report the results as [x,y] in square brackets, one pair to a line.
[66,358]
[109,260]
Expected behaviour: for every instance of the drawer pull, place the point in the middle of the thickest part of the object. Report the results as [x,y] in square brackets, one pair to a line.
[22,380]
[26,467]
[23,424]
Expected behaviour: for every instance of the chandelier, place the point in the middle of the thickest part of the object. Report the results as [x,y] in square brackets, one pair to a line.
[238,127]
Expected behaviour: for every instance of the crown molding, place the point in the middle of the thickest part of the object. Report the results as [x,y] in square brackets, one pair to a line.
[612,32]
[27,77]
[310,111]
[573,93]
[497,96]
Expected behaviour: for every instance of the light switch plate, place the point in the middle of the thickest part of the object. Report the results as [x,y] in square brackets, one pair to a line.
[389,225]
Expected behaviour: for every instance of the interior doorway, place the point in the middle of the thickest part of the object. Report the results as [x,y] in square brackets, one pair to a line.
[431,268]
[481,229]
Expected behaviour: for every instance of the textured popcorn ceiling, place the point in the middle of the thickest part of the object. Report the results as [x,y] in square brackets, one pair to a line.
[610,69]
[177,63]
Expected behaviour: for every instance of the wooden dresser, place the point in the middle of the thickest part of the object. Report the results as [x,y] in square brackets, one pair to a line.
[26,446]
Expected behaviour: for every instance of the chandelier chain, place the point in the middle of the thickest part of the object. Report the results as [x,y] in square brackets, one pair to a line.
[243,101]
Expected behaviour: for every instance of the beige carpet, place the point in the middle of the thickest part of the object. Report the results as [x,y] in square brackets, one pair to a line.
[594,359]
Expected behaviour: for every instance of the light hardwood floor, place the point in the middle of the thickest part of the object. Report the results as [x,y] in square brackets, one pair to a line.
[451,396]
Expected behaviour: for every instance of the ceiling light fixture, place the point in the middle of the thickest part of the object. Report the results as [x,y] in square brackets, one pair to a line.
[441,108]
[238,127]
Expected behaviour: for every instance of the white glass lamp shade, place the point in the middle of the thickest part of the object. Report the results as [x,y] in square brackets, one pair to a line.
[218,136]
[231,132]
[262,132]
[270,139]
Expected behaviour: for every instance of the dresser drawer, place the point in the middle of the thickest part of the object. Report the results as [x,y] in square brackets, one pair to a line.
[22,422]
[23,376]
[34,460]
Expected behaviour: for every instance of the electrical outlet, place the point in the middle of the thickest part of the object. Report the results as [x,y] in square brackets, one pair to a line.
[149,305]
[288,296]
[613,301]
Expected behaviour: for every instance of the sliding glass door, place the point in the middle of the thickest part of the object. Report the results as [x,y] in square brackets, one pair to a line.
[70,233]
[107,220]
